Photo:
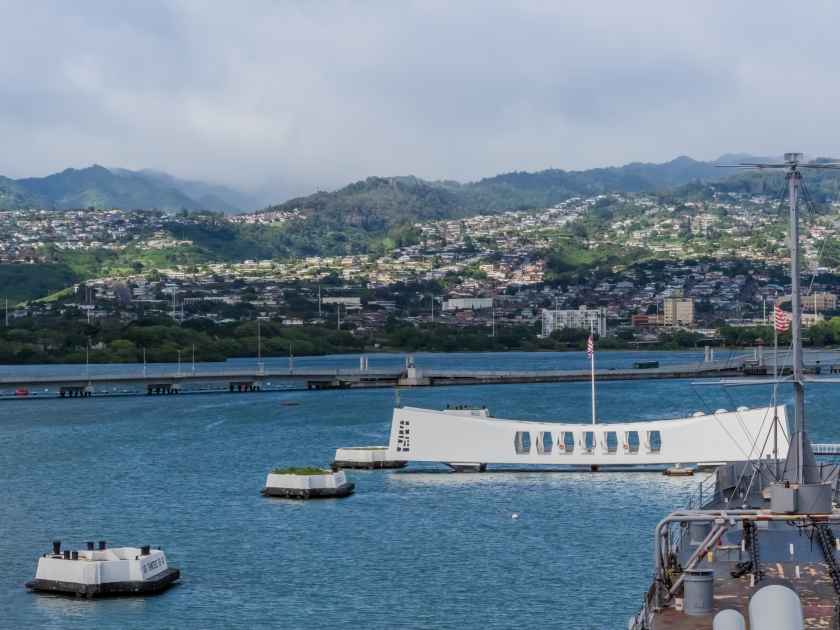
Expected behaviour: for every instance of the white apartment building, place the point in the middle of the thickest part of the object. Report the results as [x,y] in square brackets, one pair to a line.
[594,319]
[462,304]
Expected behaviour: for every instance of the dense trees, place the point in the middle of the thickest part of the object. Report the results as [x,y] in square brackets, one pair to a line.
[57,340]
[26,281]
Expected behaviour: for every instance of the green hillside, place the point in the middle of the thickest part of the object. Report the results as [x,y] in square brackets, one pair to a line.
[13,195]
[100,187]
[19,282]
[378,212]
[378,204]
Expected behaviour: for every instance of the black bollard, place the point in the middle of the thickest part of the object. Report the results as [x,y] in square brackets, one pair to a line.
[56,547]
[66,554]
[145,550]
[74,555]
[101,545]
[89,545]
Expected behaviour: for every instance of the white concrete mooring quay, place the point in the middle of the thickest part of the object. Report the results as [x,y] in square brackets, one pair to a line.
[103,571]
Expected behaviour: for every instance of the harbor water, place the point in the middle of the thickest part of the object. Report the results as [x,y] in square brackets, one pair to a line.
[413,548]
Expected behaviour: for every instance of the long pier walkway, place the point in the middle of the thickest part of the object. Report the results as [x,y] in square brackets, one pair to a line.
[84,382]
[164,382]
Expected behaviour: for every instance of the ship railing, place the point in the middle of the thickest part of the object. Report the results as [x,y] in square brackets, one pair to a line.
[674,537]
[720,520]
[706,491]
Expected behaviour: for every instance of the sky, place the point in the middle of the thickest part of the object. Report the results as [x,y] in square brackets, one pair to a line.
[288,97]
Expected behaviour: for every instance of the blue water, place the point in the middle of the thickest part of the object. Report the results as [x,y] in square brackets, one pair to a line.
[411,549]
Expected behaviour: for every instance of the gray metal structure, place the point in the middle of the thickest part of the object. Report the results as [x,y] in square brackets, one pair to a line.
[758,523]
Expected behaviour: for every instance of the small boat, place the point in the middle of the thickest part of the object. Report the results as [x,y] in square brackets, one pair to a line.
[103,572]
[290,403]
[645,365]
[22,391]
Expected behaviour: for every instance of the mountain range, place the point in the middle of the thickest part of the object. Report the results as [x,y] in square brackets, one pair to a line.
[379,203]
[100,187]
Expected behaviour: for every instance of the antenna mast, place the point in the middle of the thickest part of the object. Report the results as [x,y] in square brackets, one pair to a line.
[793,176]
[800,458]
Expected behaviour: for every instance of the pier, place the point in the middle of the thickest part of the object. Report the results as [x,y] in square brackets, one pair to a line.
[239,381]
[166,381]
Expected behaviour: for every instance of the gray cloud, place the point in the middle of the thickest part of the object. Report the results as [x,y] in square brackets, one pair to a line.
[292,96]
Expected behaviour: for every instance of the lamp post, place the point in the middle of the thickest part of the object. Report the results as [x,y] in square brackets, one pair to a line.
[260,366]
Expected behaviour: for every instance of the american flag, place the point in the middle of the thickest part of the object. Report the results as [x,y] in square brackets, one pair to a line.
[590,347]
[781,319]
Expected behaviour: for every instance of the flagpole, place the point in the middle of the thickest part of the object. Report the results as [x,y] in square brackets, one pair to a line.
[591,349]
[775,387]
[592,367]
[781,323]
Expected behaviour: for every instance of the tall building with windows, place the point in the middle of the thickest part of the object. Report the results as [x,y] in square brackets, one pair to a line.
[594,319]
[819,301]
[815,302]
[678,311]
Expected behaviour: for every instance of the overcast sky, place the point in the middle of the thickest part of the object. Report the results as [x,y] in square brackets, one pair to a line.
[290,97]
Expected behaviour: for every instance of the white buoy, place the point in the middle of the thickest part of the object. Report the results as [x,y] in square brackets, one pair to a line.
[514,515]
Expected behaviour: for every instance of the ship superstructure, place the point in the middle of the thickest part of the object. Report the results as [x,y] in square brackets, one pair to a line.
[760,549]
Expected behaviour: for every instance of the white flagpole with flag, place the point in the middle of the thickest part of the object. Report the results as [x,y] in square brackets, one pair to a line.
[590,352]
[781,323]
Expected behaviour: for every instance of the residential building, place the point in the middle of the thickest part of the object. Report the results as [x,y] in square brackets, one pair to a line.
[820,301]
[816,301]
[462,304]
[644,321]
[347,302]
[594,319]
[809,319]
[678,311]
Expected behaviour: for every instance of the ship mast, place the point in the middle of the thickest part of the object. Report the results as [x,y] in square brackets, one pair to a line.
[793,176]
[800,468]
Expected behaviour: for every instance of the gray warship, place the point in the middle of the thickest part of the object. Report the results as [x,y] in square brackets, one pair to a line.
[758,548]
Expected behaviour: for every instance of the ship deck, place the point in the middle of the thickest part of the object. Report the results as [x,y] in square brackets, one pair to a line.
[813,586]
